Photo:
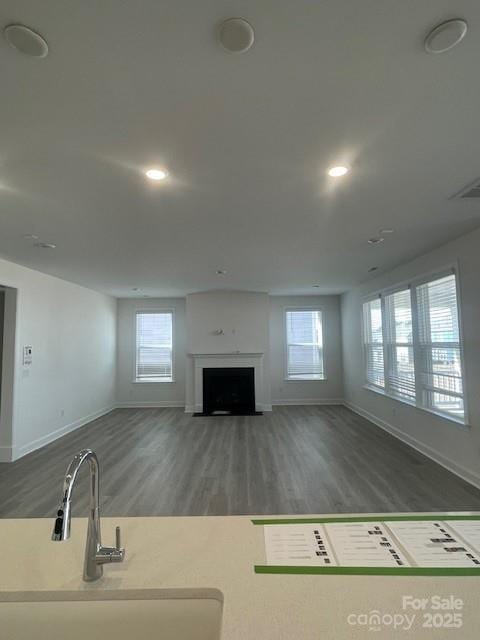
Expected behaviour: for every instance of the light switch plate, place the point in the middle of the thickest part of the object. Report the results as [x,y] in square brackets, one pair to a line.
[27,355]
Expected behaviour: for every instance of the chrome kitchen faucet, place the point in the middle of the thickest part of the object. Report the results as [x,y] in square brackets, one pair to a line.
[95,554]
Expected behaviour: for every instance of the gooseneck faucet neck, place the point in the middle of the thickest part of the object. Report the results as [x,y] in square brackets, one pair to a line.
[63,521]
[95,554]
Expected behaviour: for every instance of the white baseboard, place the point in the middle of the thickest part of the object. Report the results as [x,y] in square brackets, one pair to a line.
[426,450]
[284,402]
[307,401]
[6,454]
[190,408]
[20,451]
[138,404]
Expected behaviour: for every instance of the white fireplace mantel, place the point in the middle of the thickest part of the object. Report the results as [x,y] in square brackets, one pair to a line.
[232,359]
[227,354]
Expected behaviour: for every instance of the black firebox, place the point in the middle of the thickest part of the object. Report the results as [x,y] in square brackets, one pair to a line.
[229,391]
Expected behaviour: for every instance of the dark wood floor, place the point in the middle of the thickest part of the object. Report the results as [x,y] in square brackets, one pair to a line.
[294,460]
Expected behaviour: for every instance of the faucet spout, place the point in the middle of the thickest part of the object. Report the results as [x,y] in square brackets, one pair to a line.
[61,529]
[95,554]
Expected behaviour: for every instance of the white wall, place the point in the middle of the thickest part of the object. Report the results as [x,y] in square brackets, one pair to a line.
[243,317]
[73,334]
[315,391]
[454,446]
[130,393]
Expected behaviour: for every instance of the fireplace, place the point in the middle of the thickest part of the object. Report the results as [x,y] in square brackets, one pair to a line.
[228,360]
[229,391]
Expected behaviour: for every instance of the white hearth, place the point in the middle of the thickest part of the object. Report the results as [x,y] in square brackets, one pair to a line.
[202,361]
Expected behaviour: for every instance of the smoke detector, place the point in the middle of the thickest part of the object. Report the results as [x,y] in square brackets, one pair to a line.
[445,36]
[26,40]
[236,35]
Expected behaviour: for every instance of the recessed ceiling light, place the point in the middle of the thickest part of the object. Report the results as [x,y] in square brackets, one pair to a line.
[372,269]
[375,240]
[236,35]
[45,245]
[25,40]
[156,174]
[337,172]
[445,36]
[387,230]
[220,272]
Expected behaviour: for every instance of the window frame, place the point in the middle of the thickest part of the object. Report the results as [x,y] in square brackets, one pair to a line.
[285,340]
[152,310]
[367,382]
[412,283]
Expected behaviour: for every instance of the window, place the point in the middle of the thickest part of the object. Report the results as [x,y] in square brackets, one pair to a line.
[304,344]
[412,344]
[154,346]
[400,369]
[439,357]
[373,341]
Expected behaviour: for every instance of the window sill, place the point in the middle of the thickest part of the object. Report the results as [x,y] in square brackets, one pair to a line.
[153,381]
[305,379]
[448,419]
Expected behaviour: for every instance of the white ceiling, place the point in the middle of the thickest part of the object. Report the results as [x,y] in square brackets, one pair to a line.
[247,140]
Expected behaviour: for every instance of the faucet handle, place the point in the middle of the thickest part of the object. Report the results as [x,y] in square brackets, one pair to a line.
[111,554]
[119,552]
[118,542]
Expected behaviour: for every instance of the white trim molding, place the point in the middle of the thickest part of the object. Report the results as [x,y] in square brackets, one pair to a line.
[426,450]
[154,310]
[146,404]
[286,310]
[20,451]
[306,401]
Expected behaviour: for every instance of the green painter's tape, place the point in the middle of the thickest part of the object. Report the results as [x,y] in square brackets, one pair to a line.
[369,571]
[379,518]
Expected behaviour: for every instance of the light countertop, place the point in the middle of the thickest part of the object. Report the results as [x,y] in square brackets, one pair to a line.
[220,553]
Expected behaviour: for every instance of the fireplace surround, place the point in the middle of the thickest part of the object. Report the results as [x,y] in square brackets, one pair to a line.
[201,361]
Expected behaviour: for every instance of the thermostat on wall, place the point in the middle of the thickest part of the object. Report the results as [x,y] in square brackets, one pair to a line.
[27,355]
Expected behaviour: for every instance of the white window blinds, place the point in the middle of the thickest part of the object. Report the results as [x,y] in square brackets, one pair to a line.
[373,342]
[154,332]
[439,353]
[304,344]
[400,369]
[413,335]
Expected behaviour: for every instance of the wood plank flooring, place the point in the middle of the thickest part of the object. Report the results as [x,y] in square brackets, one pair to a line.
[294,460]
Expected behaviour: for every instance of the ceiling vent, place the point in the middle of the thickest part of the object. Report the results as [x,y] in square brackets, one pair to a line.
[470,191]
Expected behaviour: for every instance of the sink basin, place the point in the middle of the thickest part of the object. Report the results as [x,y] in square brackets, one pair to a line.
[140,614]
